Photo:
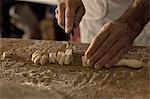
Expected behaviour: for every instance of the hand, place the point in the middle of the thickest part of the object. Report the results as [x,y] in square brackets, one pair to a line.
[110,44]
[69,13]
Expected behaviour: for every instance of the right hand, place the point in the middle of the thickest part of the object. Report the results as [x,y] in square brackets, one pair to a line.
[69,14]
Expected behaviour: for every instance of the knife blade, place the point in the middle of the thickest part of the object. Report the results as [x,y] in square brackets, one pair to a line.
[69,38]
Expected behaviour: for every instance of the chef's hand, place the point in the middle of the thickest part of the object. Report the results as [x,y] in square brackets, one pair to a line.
[110,44]
[69,13]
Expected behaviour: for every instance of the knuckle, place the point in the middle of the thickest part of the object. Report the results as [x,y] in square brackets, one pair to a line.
[61,24]
[56,10]
[69,2]
[61,4]
[70,15]
[107,24]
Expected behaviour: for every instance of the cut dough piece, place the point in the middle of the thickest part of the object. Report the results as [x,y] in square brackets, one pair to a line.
[44,60]
[84,62]
[62,58]
[59,54]
[5,55]
[36,52]
[33,58]
[37,59]
[132,63]
[68,51]
[66,44]
[68,59]
[52,57]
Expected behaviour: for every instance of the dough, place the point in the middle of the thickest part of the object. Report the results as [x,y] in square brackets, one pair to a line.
[5,55]
[84,61]
[33,58]
[52,57]
[59,54]
[37,59]
[132,63]
[68,51]
[36,52]
[44,60]
[68,59]
[62,58]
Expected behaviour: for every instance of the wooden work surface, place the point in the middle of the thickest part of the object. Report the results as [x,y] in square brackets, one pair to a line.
[74,81]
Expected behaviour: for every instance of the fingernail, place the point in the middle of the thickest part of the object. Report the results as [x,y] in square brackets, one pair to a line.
[97,67]
[90,62]
[107,66]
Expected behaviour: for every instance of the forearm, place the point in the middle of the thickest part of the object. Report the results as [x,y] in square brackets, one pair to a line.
[138,14]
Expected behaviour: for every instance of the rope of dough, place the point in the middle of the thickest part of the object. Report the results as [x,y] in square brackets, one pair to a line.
[132,63]
[37,58]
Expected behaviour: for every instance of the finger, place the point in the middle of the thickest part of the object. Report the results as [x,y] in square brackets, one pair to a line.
[97,42]
[56,13]
[61,14]
[79,14]
[69,18]
[112,52]
[115,59]
[103,49]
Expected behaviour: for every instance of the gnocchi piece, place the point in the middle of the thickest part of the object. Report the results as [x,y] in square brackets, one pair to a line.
[66,44]
[62,58]
[84,61]
[132,63]
[52,57]
[59,54]
[68,59]
[37,59]
[5,55]
[44,60]
[35,54]
[68,51]
[33,58]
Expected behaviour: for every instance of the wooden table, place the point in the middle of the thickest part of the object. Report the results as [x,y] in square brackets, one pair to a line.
[75,81]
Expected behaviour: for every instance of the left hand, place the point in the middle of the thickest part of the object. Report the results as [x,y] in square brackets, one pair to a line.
[110,44]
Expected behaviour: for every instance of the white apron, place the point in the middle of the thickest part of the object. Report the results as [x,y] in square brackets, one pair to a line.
[99,12]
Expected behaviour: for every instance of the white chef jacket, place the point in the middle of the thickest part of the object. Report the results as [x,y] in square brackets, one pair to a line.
[99,12]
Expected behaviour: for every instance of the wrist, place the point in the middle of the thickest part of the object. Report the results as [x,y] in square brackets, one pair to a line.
[134,25]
